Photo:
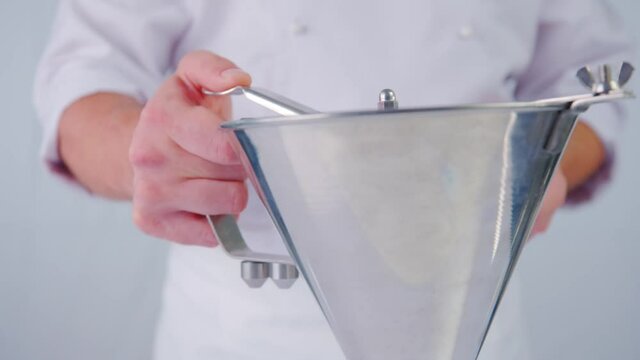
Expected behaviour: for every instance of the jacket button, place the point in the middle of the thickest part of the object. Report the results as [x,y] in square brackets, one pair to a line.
[298,28]
[465,32]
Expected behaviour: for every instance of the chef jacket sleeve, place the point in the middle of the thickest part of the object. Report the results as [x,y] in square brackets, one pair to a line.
[103,46]
[573,33]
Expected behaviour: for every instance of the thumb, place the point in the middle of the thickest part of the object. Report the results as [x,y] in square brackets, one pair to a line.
[205,70]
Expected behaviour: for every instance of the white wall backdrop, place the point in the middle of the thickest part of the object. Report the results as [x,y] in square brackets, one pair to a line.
[77,281]
[581,280]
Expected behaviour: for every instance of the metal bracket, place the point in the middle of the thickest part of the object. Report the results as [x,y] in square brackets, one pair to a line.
[604,89]
[256,267]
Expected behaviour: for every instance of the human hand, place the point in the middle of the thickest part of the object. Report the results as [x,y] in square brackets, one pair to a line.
[553,200]
[184,166]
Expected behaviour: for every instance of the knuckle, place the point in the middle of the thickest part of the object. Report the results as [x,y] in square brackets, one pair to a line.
[143,157]
[148,195]
[141,152]
[146,221]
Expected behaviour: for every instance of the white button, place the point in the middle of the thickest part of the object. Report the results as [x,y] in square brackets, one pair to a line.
[298,28]
[465,32]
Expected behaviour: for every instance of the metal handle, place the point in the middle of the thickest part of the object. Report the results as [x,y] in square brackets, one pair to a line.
[228,233]
[256,267]
[267,99]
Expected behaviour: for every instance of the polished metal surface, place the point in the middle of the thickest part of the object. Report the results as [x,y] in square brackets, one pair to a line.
[574,102]
[605,83]
[266,98]
[228,233]
[586,77]
[257,267]
[407,224]
[254,273]
[387,100]
[283,275]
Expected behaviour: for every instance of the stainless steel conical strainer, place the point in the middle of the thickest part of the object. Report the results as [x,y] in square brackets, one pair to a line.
[405,223]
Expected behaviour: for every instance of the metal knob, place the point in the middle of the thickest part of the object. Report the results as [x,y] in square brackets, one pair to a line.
[254,273]
[387,100]
[283,275]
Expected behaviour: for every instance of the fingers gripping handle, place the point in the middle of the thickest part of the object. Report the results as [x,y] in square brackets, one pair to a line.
[256,267]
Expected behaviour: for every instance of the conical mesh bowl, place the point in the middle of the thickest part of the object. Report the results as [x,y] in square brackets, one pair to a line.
[406,224]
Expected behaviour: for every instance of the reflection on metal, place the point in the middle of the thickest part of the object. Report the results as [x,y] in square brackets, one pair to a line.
[255,274]
[266,98]
[406,224]
[504,194]
[387,100]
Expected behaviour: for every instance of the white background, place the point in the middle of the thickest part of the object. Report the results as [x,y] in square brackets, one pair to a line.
[78,281]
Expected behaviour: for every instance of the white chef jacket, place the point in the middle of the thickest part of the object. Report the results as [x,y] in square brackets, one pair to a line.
[331,55]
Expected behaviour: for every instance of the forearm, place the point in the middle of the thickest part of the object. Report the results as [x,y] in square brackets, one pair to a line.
[584,155]
[94,138]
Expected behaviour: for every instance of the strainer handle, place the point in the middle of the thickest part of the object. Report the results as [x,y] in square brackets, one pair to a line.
[265,98]
[256,267]
[226,229]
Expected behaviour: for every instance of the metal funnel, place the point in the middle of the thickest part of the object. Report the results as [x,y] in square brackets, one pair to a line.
[406,224]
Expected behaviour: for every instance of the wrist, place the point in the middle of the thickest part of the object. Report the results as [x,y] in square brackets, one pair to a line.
[94,135]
